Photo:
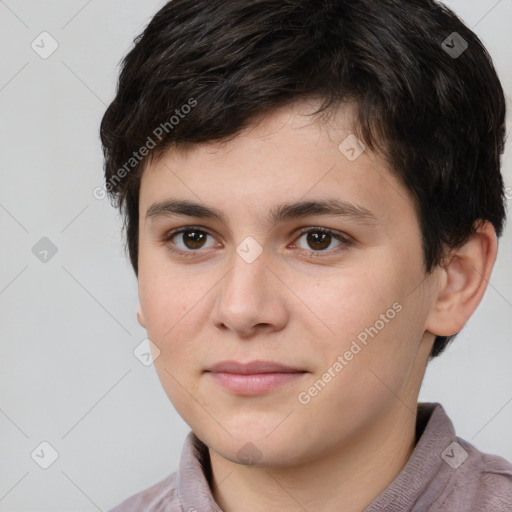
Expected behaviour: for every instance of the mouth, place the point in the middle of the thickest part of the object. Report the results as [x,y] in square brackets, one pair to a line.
[253,378]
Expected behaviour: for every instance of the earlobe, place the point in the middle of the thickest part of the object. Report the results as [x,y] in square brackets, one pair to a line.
[463,281]
[140,316]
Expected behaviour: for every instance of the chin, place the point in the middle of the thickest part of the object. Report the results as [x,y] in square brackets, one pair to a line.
[252,445]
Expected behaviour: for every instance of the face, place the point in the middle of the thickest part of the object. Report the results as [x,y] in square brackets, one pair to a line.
[286,329]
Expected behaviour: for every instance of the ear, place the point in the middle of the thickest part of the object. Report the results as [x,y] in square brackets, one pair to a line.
[140,317]
[463,281]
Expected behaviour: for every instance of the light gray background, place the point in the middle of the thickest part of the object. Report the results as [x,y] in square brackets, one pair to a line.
[68,326]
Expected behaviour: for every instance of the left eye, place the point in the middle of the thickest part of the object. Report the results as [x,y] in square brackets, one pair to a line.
[320,239]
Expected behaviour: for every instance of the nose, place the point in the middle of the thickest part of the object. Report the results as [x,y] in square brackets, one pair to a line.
[251,298]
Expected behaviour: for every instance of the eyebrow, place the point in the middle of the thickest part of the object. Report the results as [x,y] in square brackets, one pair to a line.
[279,213]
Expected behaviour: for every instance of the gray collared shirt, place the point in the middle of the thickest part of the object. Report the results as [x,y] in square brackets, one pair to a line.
[444,473]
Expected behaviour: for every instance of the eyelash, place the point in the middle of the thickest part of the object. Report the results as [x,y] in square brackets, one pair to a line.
[345,240]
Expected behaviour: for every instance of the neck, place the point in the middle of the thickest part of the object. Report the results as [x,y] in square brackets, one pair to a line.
[347,478]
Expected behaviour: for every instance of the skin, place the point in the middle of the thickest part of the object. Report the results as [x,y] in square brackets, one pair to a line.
[300,304]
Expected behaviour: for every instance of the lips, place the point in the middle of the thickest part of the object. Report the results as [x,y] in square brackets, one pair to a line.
[253,378]
[252,367]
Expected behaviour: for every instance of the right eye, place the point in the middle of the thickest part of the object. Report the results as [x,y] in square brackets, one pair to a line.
[192,239]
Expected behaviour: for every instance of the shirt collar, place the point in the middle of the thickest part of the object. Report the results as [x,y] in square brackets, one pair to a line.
[191,479]
[435,432]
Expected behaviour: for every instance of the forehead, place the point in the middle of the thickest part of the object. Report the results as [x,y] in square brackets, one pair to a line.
[287,156]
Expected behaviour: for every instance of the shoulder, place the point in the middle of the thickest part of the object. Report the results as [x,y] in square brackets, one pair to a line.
[478,480]
[158,498]
[445,473]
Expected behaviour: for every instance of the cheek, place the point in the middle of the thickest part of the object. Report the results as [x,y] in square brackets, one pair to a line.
[171,306]
[167,295]
[359,381]
[346,302]
[373,326]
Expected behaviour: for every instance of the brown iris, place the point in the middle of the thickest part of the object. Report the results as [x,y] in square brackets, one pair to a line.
[317,237]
